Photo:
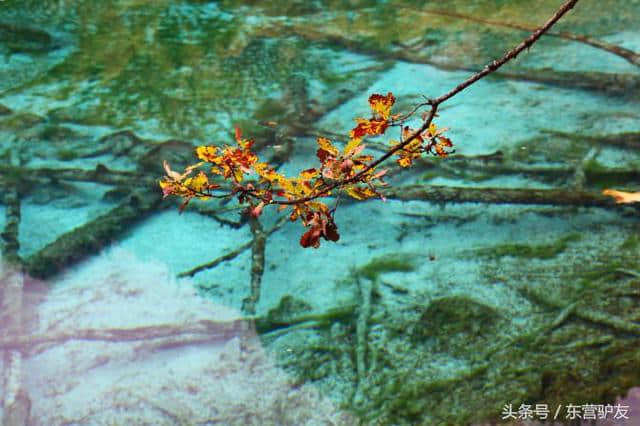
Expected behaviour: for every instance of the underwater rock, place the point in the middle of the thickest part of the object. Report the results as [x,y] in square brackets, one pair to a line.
[55,133]
[120,143]
[4,110]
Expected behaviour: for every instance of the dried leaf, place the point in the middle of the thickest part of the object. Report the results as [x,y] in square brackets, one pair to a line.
[360,193]
[368,127]
[382,104]
[326,145]
[622,196]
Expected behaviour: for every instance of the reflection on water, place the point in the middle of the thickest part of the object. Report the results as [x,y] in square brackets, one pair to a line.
[497,276]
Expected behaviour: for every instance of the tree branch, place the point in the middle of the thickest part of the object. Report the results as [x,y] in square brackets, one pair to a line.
[512,54]
[435,103]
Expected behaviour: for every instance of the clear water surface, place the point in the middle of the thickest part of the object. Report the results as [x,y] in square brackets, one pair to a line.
[497,277]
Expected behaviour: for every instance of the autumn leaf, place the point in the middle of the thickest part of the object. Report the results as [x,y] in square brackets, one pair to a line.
[373,127]
[327,147]
[410,151]
[352,145]
[438,144]
[381,105]
[208,154]
[441,145]
[623,197]
[359,192]
[348,169]
[321,225]
[309,174]
[179,184]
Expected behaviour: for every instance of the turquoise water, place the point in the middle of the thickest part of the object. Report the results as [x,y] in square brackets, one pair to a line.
[498,275]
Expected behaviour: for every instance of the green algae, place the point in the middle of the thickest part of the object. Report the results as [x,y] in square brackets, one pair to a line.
[66,154]
[383,264]
[186,68]
[531,251]
[450,315]
[632,242]
[91,237]
[458,359]
[20,121]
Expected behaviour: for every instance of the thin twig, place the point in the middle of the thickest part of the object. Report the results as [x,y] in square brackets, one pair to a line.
[231,255]
[512,54]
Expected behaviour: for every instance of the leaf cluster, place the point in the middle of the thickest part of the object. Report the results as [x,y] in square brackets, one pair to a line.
[346,170]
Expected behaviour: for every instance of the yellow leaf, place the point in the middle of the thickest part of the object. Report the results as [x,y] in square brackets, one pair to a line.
[208,153]
[318,206]
[326,145]
[309,174]
[199,182]
[404,161]
[238,174]
[382,104]
[360,193]
[368,127]
[353,144]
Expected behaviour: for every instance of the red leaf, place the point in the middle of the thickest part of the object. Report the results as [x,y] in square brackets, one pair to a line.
[311,238]
[332,232]
[323,155]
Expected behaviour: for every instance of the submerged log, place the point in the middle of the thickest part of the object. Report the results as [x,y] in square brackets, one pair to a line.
[441,194]
[92,236]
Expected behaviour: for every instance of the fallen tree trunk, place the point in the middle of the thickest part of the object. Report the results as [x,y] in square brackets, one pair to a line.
[559,197]
[92,236]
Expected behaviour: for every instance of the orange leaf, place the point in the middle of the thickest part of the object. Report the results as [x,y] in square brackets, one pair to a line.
[360,193]
[309,174]
[382,104]
[622,196]
[368,127]
[208,153]
[325,145]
